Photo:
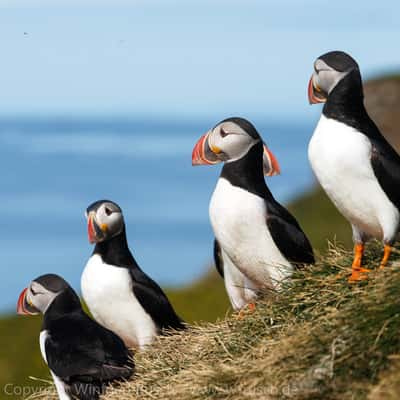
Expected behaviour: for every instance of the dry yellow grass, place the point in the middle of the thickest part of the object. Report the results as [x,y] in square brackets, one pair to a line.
[320,339]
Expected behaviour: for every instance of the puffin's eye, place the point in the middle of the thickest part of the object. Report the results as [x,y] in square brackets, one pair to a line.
[33,292]
[223,132]
[108,211]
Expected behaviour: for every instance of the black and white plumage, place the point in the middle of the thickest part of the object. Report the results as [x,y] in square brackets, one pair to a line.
[82,355]
[258,241]
[119,294]
[356,166]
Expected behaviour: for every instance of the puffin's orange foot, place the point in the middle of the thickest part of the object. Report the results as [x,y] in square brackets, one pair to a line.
[358,274]
[386,254]
[247,309]
[251,307]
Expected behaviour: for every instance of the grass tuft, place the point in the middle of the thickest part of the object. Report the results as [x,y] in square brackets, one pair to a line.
[321,338]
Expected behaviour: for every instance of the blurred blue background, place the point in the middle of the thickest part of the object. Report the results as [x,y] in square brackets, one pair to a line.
[105,99]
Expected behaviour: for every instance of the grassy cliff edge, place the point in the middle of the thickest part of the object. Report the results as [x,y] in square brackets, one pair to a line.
[321,338]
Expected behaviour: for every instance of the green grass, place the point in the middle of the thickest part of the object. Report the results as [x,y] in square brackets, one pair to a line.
[320,338]
[19,354]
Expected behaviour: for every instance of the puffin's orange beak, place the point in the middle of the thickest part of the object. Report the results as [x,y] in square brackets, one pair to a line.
[20,305]
[91,229]
[200,156]
[96,232]
[23,308]
[315,95]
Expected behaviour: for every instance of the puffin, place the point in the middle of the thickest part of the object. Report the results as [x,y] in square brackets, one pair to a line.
[355,165]
[83,357]
[258,243]
[120,296]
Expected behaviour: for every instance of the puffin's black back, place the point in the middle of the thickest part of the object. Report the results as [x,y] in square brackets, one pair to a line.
[79,351]
[150,296]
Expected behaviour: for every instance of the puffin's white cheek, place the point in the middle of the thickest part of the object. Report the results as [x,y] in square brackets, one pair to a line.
[327,80]
[232,144]
[216,141]
[240,146]
[114,222]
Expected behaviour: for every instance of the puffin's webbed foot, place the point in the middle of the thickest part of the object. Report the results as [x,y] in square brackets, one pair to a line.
[247,309]
[359,274]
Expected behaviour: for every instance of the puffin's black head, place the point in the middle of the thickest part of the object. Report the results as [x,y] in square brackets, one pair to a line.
[105,220]
[231,140]
[41,293]
[330,69]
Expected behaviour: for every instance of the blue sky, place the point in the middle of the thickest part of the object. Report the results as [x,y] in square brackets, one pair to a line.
[182,59]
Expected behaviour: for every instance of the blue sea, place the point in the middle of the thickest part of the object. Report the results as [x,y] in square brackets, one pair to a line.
[53,168]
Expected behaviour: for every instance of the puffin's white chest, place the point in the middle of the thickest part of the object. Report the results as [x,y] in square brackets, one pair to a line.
[238,219]
[108,293]
[62,395]
[340,157]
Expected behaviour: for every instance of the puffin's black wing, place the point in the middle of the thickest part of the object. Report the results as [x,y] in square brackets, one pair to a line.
[219,262]
[288,236]
[386,165]
[85,355]
[154,301]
